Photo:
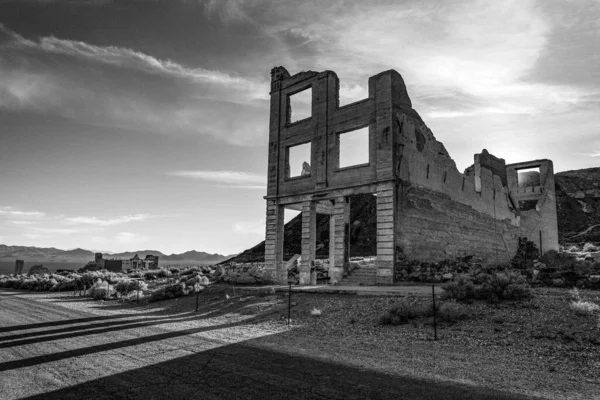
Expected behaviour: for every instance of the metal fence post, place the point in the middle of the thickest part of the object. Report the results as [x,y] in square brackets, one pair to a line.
[434,313]
[289,303]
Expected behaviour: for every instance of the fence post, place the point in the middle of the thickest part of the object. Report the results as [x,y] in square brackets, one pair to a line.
[289,302]
[138,292]
[434,313]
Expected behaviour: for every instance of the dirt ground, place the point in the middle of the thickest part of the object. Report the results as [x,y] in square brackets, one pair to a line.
[56,345]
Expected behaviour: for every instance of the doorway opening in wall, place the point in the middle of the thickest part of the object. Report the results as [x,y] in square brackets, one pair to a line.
[353,148]
[324,238]
[528,177]
[362,226]
[299,106]
[292,240]
[292,231]
[297,161]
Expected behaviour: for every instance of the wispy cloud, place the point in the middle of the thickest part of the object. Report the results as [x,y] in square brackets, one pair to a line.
[107,222]
[64,231]
[121,87]
[251,227]
[14,212]
[130,238]
[242,180]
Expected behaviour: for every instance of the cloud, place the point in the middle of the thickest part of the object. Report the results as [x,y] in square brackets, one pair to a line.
[107,222]
[32,235]
[458,59]
[241,180]
[64,231]
[250,227]
[130,238]
[120,87]
[22,222]
[13,212]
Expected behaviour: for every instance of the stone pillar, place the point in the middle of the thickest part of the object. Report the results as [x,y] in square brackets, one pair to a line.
[274,245]
[332,270]
[386,212]
[19,267]
[309,232]
[338,256]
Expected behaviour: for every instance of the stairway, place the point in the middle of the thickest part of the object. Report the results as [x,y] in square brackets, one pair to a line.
[361,276]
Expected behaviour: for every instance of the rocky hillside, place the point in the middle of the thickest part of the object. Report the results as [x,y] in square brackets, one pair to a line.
[578,198]
[578,201]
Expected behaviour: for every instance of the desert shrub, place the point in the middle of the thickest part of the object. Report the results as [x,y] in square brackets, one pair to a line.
[168,292]
[451,311]
[149,276]
[507,285]
[133,296]
[516,291]
[190,271]
[590,247]
[163,273]
[461,289]
[100,290]
[526,253]
[584,307]
[559,260]
[574,294]
[174,270]
[402,313]
[125,286]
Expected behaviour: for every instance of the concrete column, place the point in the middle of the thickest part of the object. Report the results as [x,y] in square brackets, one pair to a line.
[338,256]
[331,248]
[309,232]
[274,244]
[386,214]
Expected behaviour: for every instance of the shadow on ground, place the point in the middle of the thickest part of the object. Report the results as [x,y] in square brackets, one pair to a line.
[243,371]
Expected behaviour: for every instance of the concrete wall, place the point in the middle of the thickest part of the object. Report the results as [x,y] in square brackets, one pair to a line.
[541,222]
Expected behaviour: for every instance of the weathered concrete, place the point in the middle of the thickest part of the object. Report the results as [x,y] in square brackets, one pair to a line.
[426,209]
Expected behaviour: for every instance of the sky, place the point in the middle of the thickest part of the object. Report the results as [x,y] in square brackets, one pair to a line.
[143,124]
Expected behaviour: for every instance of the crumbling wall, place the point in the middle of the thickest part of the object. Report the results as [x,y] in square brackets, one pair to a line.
[443,213]
[540,224]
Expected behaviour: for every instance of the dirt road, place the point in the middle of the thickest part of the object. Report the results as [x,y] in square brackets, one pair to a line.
[51,348]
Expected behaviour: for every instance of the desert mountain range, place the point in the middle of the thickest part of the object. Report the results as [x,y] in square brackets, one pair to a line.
[53,255]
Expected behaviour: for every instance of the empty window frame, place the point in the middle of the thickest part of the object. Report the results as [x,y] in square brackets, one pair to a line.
[299,105]
[298,161]
[353,148]
[528,177]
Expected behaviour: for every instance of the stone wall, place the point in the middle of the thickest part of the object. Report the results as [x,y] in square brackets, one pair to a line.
[434,227]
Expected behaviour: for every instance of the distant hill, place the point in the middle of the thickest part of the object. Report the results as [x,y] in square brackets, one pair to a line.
[578,203]
[81,256]
[578,209]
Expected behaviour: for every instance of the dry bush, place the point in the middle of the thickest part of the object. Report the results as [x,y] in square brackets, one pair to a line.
[452,312]
[315,312]
[584,307]
[590,247]
[402,313]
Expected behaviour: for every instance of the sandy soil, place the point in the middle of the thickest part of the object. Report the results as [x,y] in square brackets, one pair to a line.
[56,346]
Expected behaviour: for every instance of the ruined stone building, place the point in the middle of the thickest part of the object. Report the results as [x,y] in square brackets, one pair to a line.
[426,209]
